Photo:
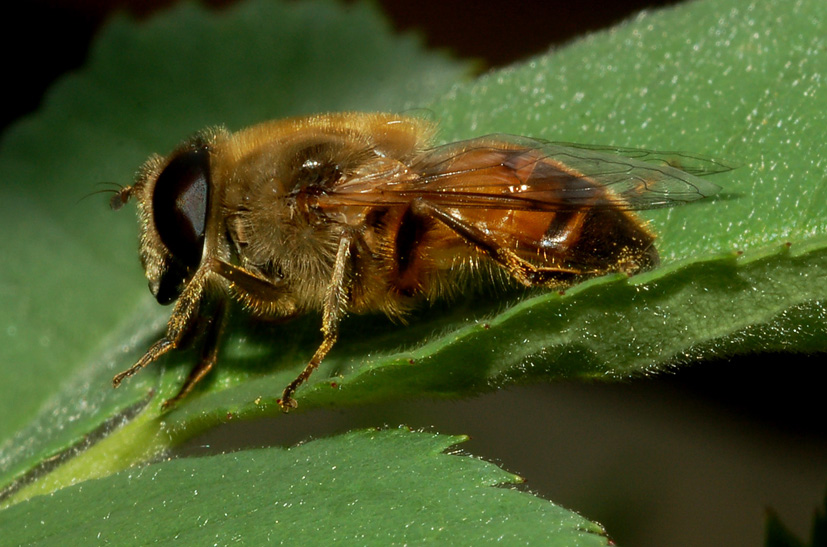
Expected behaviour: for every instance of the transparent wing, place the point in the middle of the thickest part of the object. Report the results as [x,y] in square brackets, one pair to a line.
[693,164]
[509,172]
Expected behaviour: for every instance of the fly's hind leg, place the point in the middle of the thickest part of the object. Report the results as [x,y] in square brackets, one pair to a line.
[520,269]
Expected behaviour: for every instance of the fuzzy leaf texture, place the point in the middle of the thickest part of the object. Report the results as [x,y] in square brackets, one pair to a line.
[388,487]
[740,273]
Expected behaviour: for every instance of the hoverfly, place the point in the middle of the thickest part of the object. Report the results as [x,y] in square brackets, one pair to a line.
[357,212]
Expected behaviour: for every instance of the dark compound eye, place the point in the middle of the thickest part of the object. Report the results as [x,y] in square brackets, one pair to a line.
[179,207]
[179,204]
[171,284]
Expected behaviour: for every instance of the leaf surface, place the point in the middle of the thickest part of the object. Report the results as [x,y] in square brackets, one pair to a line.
[379,487]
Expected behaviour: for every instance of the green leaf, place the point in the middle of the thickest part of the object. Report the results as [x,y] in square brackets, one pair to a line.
[388,487]
[740,273]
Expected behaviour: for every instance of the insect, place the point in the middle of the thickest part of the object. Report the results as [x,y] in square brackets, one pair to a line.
[358,212]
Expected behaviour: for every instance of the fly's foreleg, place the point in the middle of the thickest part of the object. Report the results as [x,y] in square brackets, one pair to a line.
[209,354]
[183,317]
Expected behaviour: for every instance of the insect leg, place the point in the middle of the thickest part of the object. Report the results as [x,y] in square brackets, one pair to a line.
[183,317]
[522,270]
[256,288]
[334,304]
[209,353]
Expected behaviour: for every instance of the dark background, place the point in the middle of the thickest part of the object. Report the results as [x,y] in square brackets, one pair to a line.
[685,458]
